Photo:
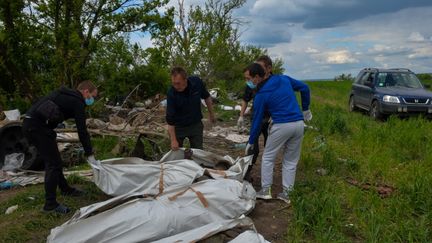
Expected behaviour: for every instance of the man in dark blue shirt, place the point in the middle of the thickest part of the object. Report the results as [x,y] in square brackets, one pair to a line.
[183,112]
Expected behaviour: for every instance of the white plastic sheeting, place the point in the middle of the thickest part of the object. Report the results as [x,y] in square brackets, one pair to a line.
[13,161]
[249,236]
[237,170]
[213,228]
[130,218]
[123,175]
[120,176]
[12,115]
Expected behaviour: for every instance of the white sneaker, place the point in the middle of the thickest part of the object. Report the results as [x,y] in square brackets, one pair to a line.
[284,197]
[264,193]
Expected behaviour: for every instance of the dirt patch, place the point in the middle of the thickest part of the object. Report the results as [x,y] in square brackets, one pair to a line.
[383,190]
[10,193]
[271,217]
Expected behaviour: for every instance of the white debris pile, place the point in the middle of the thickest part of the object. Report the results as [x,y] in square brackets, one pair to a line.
[13,161]
[146,116]
[24,178]
[12,115]
[229,133]
[230,108]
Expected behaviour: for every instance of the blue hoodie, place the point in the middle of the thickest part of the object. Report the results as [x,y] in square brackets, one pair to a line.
[278,98]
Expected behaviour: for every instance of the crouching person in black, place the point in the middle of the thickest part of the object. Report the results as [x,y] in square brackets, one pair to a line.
[38,128]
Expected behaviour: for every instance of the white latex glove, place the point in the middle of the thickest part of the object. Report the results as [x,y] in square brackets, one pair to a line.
[240,121]
[270,121]
[92,161]
[307,115]
[249,149]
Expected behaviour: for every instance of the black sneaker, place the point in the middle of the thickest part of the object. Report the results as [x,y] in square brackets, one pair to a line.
[61,209]
[73,193]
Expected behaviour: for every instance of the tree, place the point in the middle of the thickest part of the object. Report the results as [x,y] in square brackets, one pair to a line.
[344,77]
[13,54]
[121,66]
[79,26]
[47,43]
[205,40]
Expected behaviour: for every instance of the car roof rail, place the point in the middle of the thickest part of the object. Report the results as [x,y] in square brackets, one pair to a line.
[368,69]
[401,69]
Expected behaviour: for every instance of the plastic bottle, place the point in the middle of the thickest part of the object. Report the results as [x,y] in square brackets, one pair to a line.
[6,185]
[240,145]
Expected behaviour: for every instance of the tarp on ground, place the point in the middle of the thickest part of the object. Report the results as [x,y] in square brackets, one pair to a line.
[208,230]
[123,175]
[249,236]
[237,167]
[133,218]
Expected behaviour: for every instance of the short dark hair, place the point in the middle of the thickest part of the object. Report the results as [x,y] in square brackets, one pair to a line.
[87,84]
[266,60]
[178,70]
[255,69]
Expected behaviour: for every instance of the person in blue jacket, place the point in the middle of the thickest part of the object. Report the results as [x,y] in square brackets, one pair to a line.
[277,96]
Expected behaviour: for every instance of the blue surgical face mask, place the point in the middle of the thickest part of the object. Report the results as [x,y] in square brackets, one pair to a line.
[250,84]
[89,101]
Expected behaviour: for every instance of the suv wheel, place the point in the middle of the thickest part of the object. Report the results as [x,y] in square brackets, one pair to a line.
[352,106]
[375,112]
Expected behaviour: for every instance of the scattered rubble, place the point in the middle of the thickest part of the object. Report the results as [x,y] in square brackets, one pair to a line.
[11,209]
[321,171]
[13,161]
[229,133]
[12,115]
[382,189]
[26,177]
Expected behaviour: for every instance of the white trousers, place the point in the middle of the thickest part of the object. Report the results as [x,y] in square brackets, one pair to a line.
[289,137]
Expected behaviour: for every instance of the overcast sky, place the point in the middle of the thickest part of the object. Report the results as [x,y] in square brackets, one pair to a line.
[325,38]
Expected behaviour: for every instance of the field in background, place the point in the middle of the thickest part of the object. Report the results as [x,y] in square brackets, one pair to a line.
[346,163]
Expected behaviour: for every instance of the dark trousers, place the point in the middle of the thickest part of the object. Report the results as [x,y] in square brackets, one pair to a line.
[264,132]
[193,132]
[44,139]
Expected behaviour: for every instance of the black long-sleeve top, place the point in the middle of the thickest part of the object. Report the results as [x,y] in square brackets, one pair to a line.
[72,104]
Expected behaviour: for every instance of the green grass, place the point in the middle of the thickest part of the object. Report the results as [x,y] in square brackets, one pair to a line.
[396,153]
[28,223]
